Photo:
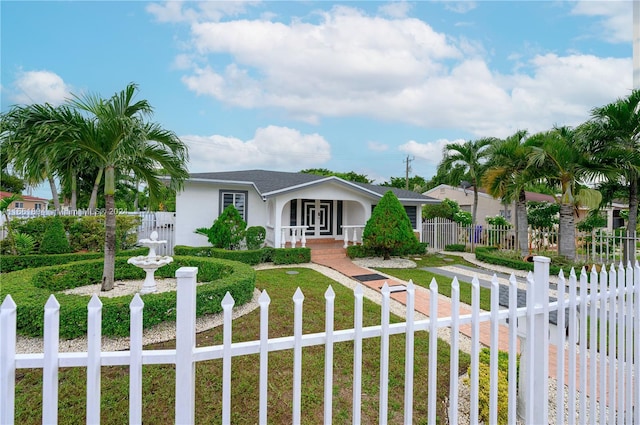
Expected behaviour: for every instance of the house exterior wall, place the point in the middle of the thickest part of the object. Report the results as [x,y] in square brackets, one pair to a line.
[198,205]
[487,205]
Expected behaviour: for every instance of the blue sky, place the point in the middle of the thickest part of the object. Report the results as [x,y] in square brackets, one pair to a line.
[348,86]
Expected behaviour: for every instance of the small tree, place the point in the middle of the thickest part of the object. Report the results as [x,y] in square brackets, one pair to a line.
[227,231]
[55,240]
[389,229]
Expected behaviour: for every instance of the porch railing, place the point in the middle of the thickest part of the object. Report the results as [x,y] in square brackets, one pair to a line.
[356,234]
[293,234]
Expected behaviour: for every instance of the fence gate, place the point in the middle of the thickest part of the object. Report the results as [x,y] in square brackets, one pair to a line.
[439,232]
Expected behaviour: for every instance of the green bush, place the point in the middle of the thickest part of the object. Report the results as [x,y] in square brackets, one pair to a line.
[251,257]
[227,231]
[291,255]
[491,255]
[358,251]
[11,263]
[388,231]
[86,233]
[255,237]
[455,247]
[483,394]
[55,240]
[221,276]
[25,244]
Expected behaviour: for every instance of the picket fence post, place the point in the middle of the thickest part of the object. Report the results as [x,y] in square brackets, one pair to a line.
[185,344]
[534,361]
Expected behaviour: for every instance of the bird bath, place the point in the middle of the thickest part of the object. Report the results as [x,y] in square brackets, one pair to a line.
[150,262]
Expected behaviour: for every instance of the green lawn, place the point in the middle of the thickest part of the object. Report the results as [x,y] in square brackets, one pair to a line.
[159,387]
[423,278]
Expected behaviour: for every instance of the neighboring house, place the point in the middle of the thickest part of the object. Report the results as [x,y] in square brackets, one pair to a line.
[320,207]
[488,206]
[27,202]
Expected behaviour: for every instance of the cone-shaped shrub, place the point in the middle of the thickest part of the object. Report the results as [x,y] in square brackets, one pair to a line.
[227,231]
[389,230]
[55,240]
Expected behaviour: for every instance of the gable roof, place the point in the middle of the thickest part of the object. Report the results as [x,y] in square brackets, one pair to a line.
[270,183]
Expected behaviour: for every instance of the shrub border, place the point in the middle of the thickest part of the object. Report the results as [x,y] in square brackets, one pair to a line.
[236,278]
[12,263]
[485,254]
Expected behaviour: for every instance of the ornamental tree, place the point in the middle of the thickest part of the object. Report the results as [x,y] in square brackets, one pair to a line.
[227,231]
[389,230]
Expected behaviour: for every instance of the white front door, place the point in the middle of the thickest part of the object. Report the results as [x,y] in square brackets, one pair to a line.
[318,215]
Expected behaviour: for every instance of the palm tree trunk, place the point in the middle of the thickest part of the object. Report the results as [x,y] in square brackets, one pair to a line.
[74,190]
[473,216]
[109,230]
[54,193]
[567,232]
[522,223]
[94,192]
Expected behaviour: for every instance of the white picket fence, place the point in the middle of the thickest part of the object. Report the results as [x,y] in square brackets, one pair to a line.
[601,388]
[599,246]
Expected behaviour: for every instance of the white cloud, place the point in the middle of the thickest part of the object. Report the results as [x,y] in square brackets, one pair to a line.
[39,87]
[460,6]
[377,146]
[176,11]
[348,63]
[616,23]
[272,147]
[396,9]
[430,152]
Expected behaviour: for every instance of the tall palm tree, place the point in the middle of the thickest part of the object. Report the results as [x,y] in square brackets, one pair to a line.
[612,136]
[471,158]
[507,176]
[558,158]
[117,138]
[27,126]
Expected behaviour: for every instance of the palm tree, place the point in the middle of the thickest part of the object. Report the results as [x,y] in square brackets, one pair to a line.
[113,136]
[26,126]
[507,176]
[558,158]
[469,157]
[612,136]
[118,139]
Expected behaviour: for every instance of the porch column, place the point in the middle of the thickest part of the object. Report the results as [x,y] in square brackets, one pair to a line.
[277,225]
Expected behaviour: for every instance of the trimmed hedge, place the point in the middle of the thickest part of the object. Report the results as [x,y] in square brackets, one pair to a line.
[251,257]
[12,263]
[455,247]
[487,254]
[26,288]
[291,255]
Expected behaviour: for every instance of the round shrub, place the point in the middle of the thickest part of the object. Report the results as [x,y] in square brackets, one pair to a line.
[55,240]
[31,288]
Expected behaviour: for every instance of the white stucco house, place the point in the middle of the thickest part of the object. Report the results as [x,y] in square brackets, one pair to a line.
[290,206]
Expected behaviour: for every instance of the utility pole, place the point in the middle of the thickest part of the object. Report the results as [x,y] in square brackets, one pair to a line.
[407,171]
[636,44]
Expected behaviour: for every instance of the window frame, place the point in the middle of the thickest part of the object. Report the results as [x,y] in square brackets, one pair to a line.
[245,213]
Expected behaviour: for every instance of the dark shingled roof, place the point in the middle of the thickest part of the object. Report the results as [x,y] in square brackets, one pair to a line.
[267,182]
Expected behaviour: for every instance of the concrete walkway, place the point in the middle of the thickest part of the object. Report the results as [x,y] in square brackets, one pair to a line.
[422,296]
